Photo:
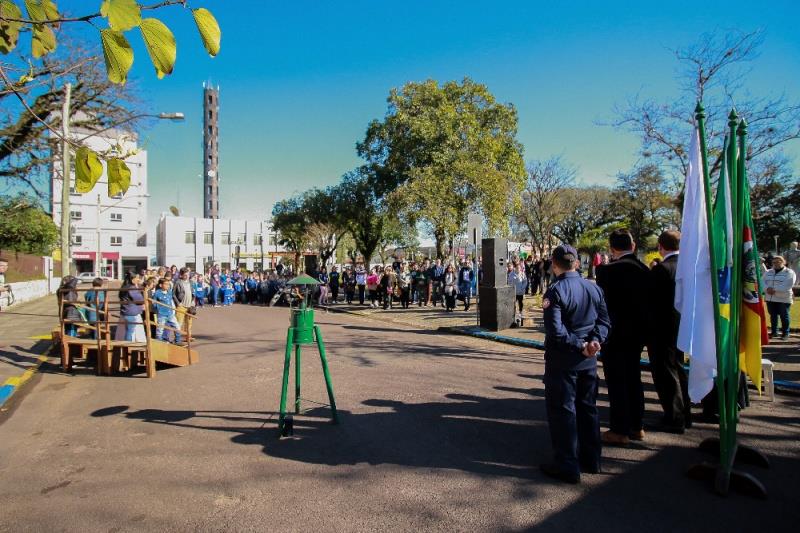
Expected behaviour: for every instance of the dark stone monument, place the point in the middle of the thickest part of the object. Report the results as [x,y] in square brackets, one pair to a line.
[496,295]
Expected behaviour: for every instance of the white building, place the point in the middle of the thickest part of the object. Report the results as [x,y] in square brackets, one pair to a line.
[120,221]
[197,242]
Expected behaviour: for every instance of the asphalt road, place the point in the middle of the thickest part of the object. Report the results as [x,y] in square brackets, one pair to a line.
[437,432]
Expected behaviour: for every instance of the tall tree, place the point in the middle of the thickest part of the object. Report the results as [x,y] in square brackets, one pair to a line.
[27,148]
[25,227]
[366,215]
[713,71]
[547,180]
[325,223]
[580,209]
[27,63]
[444,150]
[290,222]
[642,202]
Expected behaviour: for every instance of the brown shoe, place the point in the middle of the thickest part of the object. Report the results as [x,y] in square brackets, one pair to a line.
[637,435]
[615,439]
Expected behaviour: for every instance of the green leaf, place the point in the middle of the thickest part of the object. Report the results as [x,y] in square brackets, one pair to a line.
[88,169]
[160,45]
[9,31]
[122,15]
[209,30]
[118,55]
[44,40]
[119,177]
[41,10]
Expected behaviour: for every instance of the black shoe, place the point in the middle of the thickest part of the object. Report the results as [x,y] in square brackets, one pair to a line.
[784,336]
[555,472]
[590,469]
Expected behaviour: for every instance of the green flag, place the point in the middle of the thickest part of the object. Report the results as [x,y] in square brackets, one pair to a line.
[723,255]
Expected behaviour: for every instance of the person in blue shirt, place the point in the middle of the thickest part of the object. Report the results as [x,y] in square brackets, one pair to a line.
[165,312]
[228,294]
[576,323]
[238,288]
[199,289]
[95,299]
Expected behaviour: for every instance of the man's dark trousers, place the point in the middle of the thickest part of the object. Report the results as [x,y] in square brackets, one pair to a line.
[671,383]
[625,391]
[570,396]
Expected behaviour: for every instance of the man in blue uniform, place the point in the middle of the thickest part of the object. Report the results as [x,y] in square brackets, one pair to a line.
[576,323]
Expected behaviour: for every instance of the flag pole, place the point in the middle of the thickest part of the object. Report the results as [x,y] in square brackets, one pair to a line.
[724,448]
[732,378]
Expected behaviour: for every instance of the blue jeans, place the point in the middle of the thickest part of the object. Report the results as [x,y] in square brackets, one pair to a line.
[169,321]
[214,296]
[778,310]
[130,325]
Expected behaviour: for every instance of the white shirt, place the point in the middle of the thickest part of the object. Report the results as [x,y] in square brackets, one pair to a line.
[782,282]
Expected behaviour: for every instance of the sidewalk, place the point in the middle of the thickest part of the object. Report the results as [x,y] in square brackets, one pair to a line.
[24,341]
[458,322]
[785,354]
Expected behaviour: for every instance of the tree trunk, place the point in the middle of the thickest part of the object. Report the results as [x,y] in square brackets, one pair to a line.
[439,237]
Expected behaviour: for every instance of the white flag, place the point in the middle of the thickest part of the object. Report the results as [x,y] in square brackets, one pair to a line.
[694,299]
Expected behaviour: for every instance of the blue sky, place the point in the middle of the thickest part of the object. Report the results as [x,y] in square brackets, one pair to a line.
[300,81]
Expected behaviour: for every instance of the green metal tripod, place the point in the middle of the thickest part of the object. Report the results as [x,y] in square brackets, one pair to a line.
[302,331]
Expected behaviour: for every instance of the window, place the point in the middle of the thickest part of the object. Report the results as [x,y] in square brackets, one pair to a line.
[226,238]
[116,217]
[225,266]
[209,187]
[241,238]
[116,240]
[191,265]
[257,239]
[257,267]
[209,205]
[75,215]
[189,237]
[208,238]
[272,240]
[77,240]
[208,261]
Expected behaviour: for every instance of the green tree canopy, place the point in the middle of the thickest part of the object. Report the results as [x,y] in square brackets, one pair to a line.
[642,203]
[444,150]
[25,227]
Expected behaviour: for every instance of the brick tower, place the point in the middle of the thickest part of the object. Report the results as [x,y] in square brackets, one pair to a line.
[210,151]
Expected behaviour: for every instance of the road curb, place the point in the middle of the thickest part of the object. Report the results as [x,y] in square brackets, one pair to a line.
[474,331]
[13,384]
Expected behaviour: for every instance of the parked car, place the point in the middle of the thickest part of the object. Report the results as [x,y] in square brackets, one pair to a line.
[88,277]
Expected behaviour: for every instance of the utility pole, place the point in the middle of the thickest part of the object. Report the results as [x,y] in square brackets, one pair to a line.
[66,257]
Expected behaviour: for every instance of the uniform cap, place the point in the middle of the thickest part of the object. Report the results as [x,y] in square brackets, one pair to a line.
[565,252]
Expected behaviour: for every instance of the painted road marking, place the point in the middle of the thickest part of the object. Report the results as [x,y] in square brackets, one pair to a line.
[12,384]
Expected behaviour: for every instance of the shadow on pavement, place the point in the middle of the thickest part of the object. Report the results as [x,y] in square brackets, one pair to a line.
[490,436]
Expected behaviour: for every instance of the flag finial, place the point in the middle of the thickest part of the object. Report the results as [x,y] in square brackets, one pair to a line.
[699,111]
[732,118]
[742,127]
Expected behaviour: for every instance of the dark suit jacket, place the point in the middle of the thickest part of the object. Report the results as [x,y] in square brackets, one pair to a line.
[625,284]
[664,318]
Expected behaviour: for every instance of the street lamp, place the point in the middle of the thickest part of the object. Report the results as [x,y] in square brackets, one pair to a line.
[98,256]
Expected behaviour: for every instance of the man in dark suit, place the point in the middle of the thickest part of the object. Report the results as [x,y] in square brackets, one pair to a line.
[625,281]
[666,360]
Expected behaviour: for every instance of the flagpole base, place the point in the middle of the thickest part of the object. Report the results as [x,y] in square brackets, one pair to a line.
[744,454]
[724,481]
